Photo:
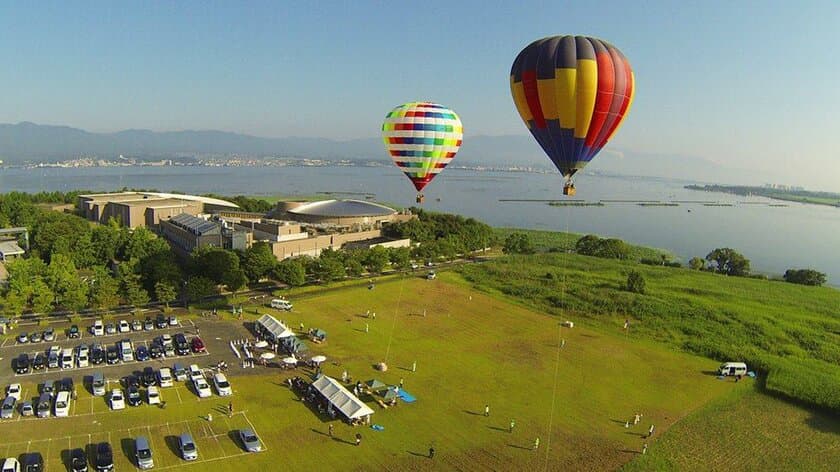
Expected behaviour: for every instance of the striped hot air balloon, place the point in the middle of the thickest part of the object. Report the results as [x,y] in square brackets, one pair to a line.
[422,139]
[573,92]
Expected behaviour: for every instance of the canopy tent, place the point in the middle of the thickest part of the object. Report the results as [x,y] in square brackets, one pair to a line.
[293,345]
[374,384]
[341,399]
[272,329]
[318,334]
[390,394]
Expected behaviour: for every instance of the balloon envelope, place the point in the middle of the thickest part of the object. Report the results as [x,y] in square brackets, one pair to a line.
[572,92]
[422,139]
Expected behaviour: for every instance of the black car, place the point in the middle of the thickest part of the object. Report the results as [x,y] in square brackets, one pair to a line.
[133,396]
[40,361]
[149,376]
[112,355]
[32,462]
[74,332]
[155,351]
[131,381]
[161,322]
[65,385]
[182,347]
[104,457]
[22,364]
[48,387]
[142,354]
[78,460]
[97,355]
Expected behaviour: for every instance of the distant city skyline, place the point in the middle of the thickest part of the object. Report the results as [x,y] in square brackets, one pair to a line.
[748,85]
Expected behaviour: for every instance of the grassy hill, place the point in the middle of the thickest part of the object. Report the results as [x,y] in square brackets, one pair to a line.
[791,332]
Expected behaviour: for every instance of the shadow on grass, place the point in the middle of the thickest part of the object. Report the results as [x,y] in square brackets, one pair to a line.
[504,430]
[641,435]
[418,454]
[233,435]
[629,451]
[127,446]
[172,443]
[520,447]
[712,373]
[474,413]
[823,423]
[618,421]
[65,458]
[344,441]
[318,432]
[405,369]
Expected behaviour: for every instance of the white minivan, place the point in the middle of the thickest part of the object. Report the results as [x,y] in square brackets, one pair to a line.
[733,369]
[67,358]
[126,351]
[165,377]
[281,304]
[82,356]
[62,404]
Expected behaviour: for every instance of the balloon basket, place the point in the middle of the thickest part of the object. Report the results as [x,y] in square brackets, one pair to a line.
[569,190]
[421,198]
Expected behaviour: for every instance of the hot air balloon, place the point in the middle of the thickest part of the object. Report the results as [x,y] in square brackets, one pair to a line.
[572,92]
[422,139]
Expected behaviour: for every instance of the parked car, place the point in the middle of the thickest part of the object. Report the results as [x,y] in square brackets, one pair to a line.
[22,364]
[195,372]
[250,440]
[281,304]
[97,355]
[32,462]
[117,399]
[148,324]
[165,377]
[48,387]
[131,381]
[35,337]
[112,355]
[222,385]
[136,325]
[10,464]
[39,362]
[98,328]
[23,337]
[173,320]
[27,409]
[73,332]
[110,328]
[124,326]
[97,385]
[133,396]
[53,361]
[104,457]
[187,447]
[78,460]
[155,351]
[142,353]
[153,395]
[181,345]
[202,388]
[62,404]
[44,405]
[180,372]
[7,410]
[126,350]
[49,334]
[160,321]
[198,345]
[83,356]
[14,390]
[149,376]
[66,385]
[143,453]
[67,358]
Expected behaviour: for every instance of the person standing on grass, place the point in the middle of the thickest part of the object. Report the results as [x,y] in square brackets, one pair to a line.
[331,430]
[358,438]
[210,417]
[367,327]
[486,410]
[401,382]
[536,443]
[512,424]
[431,453]
[230,409]
[414,366]
[637,418]
[650,431]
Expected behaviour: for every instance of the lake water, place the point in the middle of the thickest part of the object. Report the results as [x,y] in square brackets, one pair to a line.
[773,238]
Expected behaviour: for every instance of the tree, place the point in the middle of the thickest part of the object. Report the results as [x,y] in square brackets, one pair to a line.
[587,245]
[104,290]
[234,279]
[199,287]
[165,292]
[329,269]
[133,290]
[213,263]
[259,261]
[377,259]
[635,282]
[400,257]
[608,248]
[143,243]
[42,296]
[805,277]
[290,272]
[697,263]
[518,243]
[354,267]
[13,304]
[70,290]
[728,261]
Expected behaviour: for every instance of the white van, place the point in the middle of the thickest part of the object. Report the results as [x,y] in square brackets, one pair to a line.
[281,304]
[62,404]
[165,377]
[733,368]
[67,358]
[82,356]
[126,351]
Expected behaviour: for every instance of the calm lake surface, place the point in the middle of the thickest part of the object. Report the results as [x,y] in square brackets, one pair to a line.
[773,238]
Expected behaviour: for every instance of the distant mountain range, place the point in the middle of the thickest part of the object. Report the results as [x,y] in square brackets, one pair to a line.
[30,142]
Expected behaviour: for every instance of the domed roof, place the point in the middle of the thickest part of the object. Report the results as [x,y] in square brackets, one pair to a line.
[342,208]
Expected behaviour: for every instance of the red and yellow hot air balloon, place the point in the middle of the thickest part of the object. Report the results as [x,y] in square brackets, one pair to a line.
[573,92]
[422,139]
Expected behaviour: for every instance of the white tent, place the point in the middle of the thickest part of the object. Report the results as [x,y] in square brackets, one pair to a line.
[341,398]
[273,329]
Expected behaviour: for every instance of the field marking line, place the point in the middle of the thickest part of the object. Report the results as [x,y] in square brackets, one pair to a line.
[178,394]
[183,463]
[28,445]
[265,446]
[46,456]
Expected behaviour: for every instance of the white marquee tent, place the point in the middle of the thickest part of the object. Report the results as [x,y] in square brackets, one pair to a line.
[272,329]
[341,398]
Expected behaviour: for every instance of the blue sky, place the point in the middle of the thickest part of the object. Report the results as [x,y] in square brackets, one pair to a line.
[752,85]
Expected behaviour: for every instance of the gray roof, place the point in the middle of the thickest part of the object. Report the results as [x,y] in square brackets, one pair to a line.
[194,224]
[347,403]
[10,248]
[342,208]
[276,328]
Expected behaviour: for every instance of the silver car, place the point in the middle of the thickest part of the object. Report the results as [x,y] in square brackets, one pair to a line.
[250,440]
[187,447]
[8,408]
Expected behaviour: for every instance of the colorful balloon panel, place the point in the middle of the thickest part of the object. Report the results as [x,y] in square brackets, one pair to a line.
[572,92]
[422,139]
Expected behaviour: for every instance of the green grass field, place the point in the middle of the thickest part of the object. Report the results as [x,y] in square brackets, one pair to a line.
[471,349]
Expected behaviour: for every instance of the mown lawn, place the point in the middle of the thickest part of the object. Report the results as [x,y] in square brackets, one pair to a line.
[471,349]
